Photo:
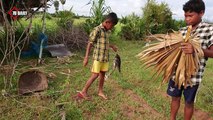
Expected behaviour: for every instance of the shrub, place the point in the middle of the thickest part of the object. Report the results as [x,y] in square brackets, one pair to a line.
[97,11]
[177,24]
[65,17]
[157,17]
[133,27]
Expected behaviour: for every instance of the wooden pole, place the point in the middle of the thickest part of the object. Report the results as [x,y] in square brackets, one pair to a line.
[43,31]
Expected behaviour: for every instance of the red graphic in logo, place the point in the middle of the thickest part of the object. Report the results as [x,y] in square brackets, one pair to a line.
[14,13]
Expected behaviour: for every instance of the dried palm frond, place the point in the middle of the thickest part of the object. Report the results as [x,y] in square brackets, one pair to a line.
[167,58]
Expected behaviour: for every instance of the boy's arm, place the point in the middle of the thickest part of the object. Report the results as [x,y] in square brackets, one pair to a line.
[115,48]
[188,49]
[89,46]
[208,52]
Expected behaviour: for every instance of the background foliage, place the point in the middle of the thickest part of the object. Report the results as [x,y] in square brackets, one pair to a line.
[97,11]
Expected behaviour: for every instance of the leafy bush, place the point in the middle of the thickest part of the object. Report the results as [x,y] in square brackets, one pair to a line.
[65,18]
[132,28]
[49,16]
[157,17]
[97,11]
[177,24]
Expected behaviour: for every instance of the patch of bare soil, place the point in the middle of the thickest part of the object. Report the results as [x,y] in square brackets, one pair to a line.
[141,111]
[198,114]
[201,115]
[135,107]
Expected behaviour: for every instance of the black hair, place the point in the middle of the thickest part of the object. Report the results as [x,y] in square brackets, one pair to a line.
[112,17]
[194,6]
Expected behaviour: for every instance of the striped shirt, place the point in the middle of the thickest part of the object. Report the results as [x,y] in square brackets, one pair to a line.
[204,32]
[99,37]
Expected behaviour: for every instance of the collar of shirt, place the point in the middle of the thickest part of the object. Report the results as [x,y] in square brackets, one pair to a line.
[102,27]
[198,26]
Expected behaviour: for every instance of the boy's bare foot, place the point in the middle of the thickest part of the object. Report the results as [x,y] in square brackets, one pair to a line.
[82,96]
[102,96]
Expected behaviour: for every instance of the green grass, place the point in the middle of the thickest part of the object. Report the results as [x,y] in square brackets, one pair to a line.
[50,24]
[205,95]
[138,79]
[79,21]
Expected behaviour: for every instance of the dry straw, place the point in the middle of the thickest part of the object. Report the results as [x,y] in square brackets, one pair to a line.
[167,58]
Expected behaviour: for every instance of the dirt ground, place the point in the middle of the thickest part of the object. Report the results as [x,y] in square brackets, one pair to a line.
[130,111]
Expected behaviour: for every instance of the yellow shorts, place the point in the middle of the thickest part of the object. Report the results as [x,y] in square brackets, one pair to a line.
[99,66]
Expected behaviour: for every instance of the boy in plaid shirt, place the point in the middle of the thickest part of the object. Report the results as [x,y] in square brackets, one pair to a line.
[99,39]
[193,11]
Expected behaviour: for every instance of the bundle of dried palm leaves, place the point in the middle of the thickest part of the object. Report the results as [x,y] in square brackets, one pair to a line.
[167,58]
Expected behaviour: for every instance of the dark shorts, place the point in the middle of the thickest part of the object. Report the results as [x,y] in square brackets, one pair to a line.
[189,93]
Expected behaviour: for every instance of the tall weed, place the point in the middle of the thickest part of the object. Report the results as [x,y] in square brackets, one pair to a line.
[65,18]
[132,28]
[97,11]
[157,17]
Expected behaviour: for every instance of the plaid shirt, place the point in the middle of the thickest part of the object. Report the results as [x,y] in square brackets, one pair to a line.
[99,37]
[204,32]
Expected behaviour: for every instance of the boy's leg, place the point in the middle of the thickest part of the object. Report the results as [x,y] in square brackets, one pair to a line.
[188,111]
[175,105]
[88,83]
[175,93]
[189,95]
[101,84]
[103,69]
[95,72]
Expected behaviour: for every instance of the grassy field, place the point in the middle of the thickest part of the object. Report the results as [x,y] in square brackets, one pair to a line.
[51,24]
[133,94]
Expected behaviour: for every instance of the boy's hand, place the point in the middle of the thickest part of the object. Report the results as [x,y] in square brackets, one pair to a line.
[187,48]
[114,48]
[85,62]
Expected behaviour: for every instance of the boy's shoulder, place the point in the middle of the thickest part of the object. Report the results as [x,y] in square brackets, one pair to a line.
[205,29]
[99,27]
[206,25]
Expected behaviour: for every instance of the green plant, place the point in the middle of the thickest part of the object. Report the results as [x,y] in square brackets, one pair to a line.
[177,24]
[12,42]
[63,2]
[73,113]
[65,18]
[56,5]
[157,17]
[97,11]
[132,28]
[49,16]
